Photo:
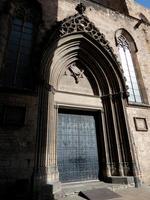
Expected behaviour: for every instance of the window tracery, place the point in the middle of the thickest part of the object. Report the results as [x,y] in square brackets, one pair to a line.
[129,69]
[17,71]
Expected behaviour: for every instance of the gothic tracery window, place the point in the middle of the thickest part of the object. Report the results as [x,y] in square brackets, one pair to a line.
[17,70]
[129,69]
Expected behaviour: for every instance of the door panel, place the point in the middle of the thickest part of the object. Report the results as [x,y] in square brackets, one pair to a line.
[77,146]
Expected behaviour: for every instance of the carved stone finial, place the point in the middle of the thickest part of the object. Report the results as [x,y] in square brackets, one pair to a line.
[81,8]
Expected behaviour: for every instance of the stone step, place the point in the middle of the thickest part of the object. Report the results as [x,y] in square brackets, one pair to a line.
[70,191]
[73,188]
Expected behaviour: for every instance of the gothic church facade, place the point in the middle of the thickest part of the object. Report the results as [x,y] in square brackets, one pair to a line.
[75,93]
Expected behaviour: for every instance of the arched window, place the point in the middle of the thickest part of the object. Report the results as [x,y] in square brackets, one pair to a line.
[17,71]
[126,50]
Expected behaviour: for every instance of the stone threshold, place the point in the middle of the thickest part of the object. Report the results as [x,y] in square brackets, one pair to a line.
[72,189]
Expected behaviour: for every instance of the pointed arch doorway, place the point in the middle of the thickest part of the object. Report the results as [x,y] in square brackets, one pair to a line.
[83,78]
[92,82]
[79,108]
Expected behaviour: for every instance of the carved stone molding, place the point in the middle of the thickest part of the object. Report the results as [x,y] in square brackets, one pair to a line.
[81,23]
[81,8]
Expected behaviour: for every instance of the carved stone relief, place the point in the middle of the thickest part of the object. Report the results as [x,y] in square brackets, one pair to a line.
[74,80]
[81,23]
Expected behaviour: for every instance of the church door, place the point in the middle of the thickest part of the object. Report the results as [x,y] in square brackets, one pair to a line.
[77,154]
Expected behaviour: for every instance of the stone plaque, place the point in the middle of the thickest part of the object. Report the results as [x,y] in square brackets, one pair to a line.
[140,124]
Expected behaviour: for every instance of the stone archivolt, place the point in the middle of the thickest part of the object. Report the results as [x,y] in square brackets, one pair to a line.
[81,23]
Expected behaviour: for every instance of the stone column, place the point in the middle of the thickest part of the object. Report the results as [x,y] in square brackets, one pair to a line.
[39,171]
[117,130]
[51,145]
[110,134]
[45,174]
[106,146]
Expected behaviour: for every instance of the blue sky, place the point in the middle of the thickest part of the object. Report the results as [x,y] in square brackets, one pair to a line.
[145,3]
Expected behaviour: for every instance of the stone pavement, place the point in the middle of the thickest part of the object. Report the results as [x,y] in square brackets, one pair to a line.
[142,193]
[70,192]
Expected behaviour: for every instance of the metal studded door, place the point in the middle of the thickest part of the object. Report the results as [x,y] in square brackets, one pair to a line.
[77,146]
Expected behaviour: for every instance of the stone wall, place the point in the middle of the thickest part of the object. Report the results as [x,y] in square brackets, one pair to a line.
[141,141]
[17,147]
[135,9]
[108,22]
[118,5]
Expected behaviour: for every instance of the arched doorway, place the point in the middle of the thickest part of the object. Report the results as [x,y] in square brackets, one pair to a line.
[82,79]
[79,106]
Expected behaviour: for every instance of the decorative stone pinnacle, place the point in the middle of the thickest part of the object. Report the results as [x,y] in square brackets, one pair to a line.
[80,8]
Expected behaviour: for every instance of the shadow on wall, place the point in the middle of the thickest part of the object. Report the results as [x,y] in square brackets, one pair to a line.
[41,189]
[118,5]
[30,186]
